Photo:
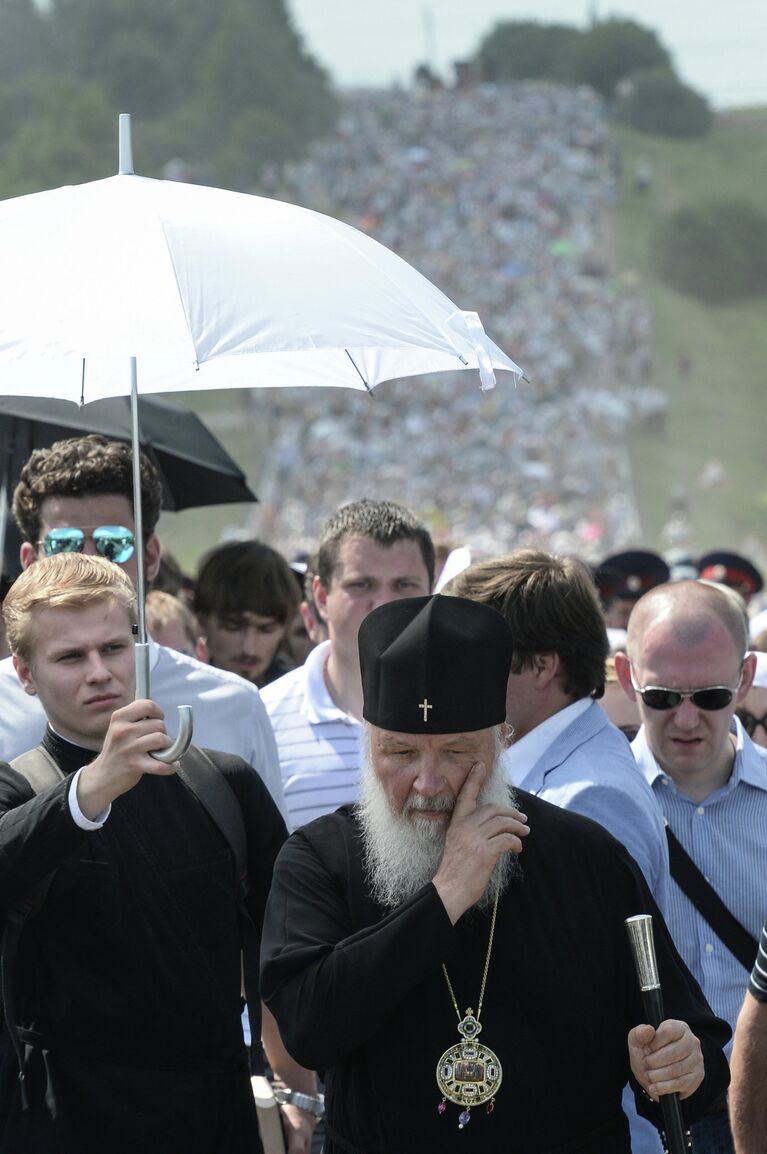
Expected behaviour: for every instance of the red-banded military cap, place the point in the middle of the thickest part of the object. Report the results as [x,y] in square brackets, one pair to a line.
[731,569]
[630,575]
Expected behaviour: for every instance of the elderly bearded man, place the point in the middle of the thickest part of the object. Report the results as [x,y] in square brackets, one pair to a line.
[397,930]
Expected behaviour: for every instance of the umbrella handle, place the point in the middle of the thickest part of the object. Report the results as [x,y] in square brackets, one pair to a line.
[185,724]
[181,744]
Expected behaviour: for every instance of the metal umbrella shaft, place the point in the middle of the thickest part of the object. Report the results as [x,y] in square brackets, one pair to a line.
[184,737]
[678,1140]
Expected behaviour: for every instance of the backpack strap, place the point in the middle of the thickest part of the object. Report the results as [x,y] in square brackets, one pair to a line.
[39,768]
[42,772]
[204,779]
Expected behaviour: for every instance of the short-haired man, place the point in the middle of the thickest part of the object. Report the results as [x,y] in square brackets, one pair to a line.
[563,747]
[122,993]
[78,496]
[397,917]
[370,552]
[245,596]
[687,666]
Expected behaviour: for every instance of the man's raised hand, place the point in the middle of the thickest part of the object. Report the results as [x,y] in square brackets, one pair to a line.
[476,837]
[135,732]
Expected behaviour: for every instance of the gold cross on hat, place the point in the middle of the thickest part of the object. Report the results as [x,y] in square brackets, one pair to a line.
[425,706]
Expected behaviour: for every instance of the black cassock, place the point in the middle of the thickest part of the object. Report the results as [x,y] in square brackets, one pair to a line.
[127,989]
[360,994]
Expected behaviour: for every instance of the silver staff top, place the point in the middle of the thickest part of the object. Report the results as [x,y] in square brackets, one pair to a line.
[643,948]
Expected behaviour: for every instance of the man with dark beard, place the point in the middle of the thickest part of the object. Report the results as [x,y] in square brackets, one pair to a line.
[386,919]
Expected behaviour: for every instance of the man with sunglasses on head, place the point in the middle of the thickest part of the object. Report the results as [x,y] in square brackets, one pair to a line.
[687,667]
[77,496]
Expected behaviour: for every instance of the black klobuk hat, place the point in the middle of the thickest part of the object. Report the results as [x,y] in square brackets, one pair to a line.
[434,665]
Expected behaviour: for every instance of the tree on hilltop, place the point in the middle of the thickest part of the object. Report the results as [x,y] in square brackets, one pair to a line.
[529,50]
[601,55]
[613,49]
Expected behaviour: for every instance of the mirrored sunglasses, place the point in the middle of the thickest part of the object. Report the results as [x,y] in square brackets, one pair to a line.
[712,698]
[114,542]
[750,721]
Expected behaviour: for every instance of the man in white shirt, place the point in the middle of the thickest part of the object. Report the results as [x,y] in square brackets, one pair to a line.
[77,496]
[370,552]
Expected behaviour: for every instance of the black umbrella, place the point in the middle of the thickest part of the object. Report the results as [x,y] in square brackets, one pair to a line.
[195,468]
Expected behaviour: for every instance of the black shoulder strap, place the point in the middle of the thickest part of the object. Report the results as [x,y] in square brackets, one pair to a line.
[202,777]
[706,900]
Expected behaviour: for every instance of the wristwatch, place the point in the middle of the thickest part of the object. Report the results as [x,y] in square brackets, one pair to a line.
[314,1105]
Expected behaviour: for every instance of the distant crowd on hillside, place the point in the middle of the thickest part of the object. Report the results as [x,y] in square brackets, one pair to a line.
[500,196]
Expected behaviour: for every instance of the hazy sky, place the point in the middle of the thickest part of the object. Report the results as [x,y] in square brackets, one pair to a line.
[719,47]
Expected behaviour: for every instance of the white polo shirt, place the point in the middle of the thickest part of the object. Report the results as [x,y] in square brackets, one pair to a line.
[319,746]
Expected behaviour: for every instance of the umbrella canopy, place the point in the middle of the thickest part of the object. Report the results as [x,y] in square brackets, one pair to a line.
[128,282]
[211,289]
[194,467]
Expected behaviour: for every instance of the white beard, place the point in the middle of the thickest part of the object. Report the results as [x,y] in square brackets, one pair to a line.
[402,853]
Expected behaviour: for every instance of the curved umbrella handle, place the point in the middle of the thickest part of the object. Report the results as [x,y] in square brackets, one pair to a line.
[183,740]
[185,725]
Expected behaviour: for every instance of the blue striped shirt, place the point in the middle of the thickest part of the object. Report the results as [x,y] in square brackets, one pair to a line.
[726,837]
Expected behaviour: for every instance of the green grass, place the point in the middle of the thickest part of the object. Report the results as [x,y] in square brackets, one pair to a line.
[716,412]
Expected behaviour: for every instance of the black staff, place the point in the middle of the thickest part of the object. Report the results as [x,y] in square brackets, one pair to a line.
[677,1139]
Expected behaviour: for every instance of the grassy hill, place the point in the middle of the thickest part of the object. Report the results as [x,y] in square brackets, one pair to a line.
[716,412]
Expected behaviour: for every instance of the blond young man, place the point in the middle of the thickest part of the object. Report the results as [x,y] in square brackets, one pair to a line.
[122,991]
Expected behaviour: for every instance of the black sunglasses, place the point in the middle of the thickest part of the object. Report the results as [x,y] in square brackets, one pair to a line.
[712,698]
[749,721]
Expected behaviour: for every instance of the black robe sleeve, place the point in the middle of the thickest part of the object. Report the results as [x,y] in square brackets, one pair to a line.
[37,831]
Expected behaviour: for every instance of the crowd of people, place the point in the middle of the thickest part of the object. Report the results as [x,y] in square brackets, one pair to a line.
[399,804]
[500,196]
[416,744]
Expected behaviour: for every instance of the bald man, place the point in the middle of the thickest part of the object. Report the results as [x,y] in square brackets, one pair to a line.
[687,667]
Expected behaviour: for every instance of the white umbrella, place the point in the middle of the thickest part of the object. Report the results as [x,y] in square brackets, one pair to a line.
[129,281]
[210,289]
